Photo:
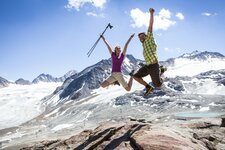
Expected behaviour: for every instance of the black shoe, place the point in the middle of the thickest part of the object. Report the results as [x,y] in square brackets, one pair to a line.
[141,64]
[131,73]
[149,89]
[162,69]
[116,83]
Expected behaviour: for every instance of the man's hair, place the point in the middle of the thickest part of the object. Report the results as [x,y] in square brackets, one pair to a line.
[141,33]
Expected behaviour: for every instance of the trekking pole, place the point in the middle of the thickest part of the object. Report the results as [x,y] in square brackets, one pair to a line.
[93,47]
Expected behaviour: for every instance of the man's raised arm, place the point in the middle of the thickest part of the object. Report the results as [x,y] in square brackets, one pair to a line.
[150,27]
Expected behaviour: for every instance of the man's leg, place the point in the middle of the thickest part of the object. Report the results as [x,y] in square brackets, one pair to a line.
[148,87]
[162,69]
[142,72]
[154,71]
[140,80]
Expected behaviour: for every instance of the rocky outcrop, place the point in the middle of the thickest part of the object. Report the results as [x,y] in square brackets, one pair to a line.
[125,135]
[223,122]
[210,134]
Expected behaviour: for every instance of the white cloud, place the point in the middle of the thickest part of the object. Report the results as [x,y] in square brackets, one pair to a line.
[91,14]
[206,14]
[140,18]
[165,13]
[77,4]
[209,14]
[95,15]
[159,34]
[162,21]
[180,16]
[166,49]
[172,50]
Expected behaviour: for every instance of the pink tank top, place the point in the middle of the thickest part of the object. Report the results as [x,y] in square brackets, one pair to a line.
[117,62]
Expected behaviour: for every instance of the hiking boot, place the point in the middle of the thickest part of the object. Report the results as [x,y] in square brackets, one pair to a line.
[162,69]
[116,83]
[141,64]
[131,73]
[149,89]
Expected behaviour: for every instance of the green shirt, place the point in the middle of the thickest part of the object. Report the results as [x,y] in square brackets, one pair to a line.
[149,49]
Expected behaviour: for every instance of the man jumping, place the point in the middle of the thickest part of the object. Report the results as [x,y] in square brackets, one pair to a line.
[149,51]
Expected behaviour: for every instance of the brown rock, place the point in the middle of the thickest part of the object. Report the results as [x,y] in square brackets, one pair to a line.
[222,122]
[125,136]
[209,144]
[163,139]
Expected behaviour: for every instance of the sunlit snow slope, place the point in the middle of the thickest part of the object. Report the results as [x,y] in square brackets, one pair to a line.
[20,103]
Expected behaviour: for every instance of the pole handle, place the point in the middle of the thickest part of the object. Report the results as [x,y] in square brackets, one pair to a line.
[93,47]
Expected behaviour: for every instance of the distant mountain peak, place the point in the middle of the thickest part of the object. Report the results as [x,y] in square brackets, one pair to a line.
[21,81]
[70,73]
[186,55]
[3,82]
[202,55]
[46,78]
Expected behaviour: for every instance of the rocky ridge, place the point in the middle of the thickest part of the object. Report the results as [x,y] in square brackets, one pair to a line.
[142,135]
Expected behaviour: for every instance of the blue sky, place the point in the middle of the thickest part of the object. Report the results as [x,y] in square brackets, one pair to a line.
[54,36]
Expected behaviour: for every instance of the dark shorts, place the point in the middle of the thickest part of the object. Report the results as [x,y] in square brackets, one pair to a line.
[153,71]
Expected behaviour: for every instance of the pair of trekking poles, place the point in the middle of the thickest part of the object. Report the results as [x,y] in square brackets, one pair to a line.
[93,47]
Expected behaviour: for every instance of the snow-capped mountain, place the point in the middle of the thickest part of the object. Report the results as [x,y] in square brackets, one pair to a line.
[202,55]
[81,84]
[194,63]
[67,75]
[3,82]
[46,78]
[21,81]
[70,73]
[81,103]
[49,78]
[41,78]
[20,103]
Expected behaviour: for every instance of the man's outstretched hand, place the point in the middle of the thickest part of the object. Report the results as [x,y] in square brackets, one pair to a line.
[132,35]
[151,10]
